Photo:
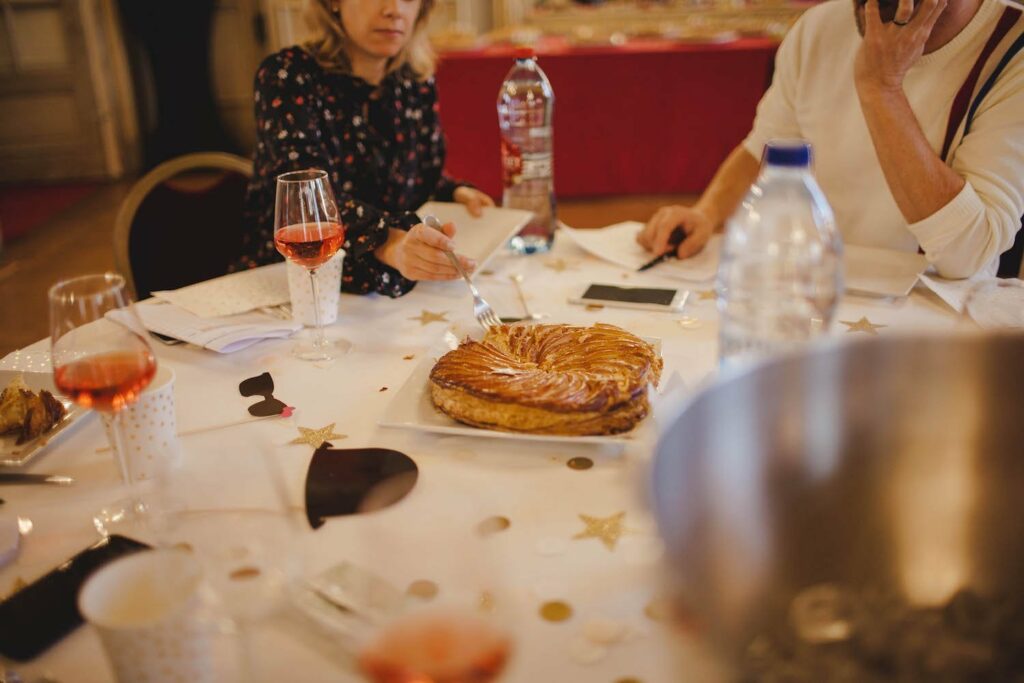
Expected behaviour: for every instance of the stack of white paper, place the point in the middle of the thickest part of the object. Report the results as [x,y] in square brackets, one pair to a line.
[224,334]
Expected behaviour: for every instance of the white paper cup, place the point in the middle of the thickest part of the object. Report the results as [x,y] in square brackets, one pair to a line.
[150,430]
[146,608]
[328,282]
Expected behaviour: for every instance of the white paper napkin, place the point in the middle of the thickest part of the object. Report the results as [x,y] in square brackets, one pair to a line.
[240,292]
[224,334]
[617,244]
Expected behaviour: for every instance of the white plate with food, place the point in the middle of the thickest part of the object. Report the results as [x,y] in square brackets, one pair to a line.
[32,416]
[413,407]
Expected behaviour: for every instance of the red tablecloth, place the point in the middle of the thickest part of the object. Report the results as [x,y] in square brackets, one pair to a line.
[648,117]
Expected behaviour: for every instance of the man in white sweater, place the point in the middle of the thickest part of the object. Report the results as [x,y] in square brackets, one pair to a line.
[872,89]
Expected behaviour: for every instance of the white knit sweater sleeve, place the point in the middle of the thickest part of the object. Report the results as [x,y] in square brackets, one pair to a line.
[979,224]
[776,112]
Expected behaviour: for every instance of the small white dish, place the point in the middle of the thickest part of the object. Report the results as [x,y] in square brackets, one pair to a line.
[14,455]
[881,272]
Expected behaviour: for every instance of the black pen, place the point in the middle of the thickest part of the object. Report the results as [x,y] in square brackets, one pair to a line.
[674,240]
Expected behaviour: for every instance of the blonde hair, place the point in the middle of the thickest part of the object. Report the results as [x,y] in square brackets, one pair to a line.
[330,41]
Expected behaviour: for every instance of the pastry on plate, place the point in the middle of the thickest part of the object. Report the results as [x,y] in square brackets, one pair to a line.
[548,379]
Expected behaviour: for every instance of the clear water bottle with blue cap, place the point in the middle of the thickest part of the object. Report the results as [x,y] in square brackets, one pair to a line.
[780,276]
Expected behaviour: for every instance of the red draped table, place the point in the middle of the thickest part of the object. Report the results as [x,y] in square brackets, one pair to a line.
[648,117]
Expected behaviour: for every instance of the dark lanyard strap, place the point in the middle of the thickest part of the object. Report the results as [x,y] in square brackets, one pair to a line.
[962,105]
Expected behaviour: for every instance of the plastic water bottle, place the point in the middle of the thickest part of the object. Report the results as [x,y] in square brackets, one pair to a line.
[780,276]
[525,111]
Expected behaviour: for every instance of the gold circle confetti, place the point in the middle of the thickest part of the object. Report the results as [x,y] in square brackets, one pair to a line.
[594,307]
[244,573]
[580,464]
[658,609]
[423,589]
[555,611]
[493,525]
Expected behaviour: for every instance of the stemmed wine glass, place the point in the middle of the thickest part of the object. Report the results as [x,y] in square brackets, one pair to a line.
[308,232]
[101,364]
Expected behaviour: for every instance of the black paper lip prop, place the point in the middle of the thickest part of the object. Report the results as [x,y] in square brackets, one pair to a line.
[356,480]
[263,385]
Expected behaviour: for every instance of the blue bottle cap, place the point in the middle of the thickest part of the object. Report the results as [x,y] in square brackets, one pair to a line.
[788,153]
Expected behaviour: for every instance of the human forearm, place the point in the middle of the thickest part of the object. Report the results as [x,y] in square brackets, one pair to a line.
[920,182]
[731,182]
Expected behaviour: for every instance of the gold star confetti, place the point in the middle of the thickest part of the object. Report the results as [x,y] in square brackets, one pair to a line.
[594,307]
[580,463]
[862,325]
[707,295]
[426,317]
[317,437]
[409,357]
[608,529]
[555,611]
[487,602]
[559,265]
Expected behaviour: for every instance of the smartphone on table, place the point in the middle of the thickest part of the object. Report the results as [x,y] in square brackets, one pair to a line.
[647,298]
[46,610]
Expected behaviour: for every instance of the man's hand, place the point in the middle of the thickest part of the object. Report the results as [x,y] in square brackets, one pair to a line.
[473,199]
[890,49]
[698,227]
[419,253]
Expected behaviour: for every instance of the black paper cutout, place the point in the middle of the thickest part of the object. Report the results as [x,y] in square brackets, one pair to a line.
[353,481]
[262,385]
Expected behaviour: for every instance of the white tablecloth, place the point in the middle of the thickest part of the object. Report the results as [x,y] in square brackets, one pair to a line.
[462,480]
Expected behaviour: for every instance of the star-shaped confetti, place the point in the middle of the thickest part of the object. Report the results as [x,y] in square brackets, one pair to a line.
[608,529]
[559,265]
[707,295]
[317,437]
[862,325]
[426,317]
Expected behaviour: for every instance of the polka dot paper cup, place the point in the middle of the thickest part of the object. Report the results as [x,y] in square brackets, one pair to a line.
[148,611]
[150,430]
[328,282]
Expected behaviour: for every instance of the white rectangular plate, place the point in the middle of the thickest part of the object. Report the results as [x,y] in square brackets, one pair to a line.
[881,272]
[478,238]
[12,455]
[412,408]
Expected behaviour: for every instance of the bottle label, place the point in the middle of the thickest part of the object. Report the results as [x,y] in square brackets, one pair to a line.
[511,163]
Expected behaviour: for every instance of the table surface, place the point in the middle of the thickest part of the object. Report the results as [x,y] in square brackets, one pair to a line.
[462,480]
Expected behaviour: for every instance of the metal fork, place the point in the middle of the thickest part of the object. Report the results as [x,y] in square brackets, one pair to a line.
[482,310]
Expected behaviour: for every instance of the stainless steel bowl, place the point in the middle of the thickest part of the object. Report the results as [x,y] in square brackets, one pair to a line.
[895,464]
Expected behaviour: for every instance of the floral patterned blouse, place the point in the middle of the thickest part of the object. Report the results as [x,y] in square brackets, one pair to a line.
[382,147]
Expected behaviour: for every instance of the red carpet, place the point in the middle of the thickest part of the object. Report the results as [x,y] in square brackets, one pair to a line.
[24,207]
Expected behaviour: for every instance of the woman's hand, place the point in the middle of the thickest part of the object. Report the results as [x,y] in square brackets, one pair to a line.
[889,49]
[419,253]
[698,227]
[474,199]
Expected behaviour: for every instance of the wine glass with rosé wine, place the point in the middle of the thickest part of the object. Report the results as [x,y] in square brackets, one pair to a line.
[103,365]
[308,232]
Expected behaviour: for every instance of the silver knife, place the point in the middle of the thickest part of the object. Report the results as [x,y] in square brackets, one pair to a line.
[16,478]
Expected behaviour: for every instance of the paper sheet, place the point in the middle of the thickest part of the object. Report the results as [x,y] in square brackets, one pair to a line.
[617,244]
